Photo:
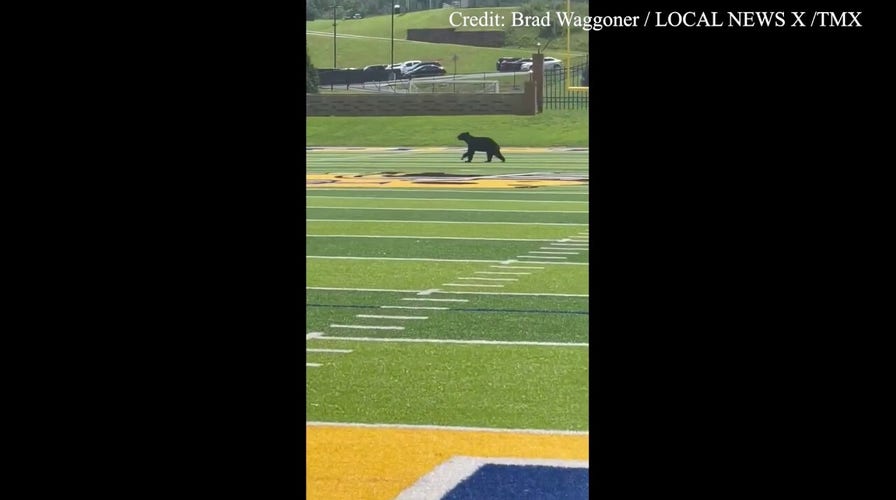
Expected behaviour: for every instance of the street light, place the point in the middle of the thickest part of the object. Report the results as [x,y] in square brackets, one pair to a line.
[395,8]
[334,42]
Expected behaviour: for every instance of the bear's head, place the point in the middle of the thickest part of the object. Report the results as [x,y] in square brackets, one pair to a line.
[464,136]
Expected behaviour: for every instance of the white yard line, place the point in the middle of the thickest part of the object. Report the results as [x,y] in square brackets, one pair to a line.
[516,267]
[519,293]
[437,300]
[366,327]
[441,199]
[430,308]
[457,341]
[583,192]
[418,259]
[441,291]
[537,257]
[381,316]
[342,351]
[455,210]
[472,284]
[312,365]
[498,272]
[489,279]
[417,237]
[452,222]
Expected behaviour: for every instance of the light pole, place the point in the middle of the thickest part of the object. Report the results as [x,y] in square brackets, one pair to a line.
[334,42]
[395,7]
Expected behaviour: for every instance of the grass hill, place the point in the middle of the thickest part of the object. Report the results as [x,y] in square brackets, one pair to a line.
[368,41]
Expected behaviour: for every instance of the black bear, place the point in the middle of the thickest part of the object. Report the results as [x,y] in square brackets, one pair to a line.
[486,144]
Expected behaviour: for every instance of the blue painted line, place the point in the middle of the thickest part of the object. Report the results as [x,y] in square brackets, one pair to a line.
[453,309]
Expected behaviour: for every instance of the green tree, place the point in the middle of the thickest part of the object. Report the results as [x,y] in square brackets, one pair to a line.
[311,80]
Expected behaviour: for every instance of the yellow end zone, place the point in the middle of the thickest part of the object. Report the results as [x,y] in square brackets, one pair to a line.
[379,463]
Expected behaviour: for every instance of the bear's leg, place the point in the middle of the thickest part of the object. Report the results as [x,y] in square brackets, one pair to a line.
[499,155]
[488,155]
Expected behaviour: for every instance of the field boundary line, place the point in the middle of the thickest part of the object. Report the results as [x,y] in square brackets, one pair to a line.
[458,428]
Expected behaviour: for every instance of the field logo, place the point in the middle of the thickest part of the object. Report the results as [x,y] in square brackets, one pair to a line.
[470,478]
[439,179]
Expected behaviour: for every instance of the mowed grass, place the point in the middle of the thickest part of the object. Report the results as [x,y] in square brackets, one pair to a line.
[519,387]
[553,128]
[408,291]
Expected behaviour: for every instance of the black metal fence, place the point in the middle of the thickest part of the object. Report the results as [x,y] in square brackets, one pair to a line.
[567,88]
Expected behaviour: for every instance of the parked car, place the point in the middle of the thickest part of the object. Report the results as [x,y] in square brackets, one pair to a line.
[425,70]
[412,68]
[376,67]
[405,66]
[357,15]
[501,60]
[514,64]
[550,64]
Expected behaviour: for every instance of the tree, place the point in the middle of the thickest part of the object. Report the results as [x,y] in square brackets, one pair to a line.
[311,80]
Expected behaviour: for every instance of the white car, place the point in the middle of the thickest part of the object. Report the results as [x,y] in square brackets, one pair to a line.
[550,64]
[406,66]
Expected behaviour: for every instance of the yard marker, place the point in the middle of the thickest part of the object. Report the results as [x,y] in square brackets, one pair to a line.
[438,300]
[427,292]
[555,253]
[313,335]
[490,279]
[313,365]
[389,317]
[367,327]
[538,257]
[329,350]
[471,284]
[579,245]
[415,307]
[455,341]
[516,267]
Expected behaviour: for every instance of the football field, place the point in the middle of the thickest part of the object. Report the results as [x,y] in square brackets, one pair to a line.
[446,324]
